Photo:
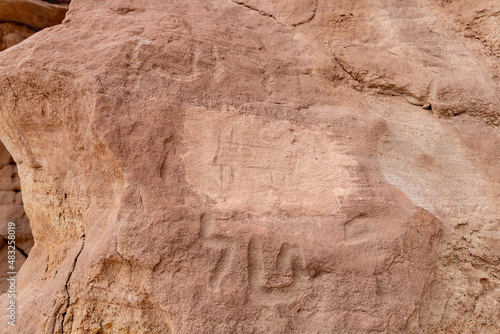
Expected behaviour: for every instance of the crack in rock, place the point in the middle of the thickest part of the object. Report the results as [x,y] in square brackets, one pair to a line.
[349,73]
[241,3]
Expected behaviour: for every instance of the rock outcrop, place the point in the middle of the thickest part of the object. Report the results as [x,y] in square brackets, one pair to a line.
[20,19]
[11,210]
[12,34]
[251,166]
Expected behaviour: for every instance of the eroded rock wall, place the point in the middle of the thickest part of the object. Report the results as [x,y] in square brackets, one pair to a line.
[18,21]
[248,166]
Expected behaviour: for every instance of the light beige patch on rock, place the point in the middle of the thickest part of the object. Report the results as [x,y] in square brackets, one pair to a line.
[425,159]
[248,164]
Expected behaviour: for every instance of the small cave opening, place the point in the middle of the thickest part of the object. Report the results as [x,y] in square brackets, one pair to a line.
[19,19]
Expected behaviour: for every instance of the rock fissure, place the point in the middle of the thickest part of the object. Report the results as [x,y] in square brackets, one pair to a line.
[387,88]
[22,25]
[261,12]
[55,2]
[349,73]
[67,285]
[20,250]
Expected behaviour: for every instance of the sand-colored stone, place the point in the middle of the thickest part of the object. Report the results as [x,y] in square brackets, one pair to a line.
[258,167]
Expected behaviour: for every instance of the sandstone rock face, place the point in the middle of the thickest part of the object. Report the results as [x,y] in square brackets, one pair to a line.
[252,166]
[20,19]
[11,210]
[37,14]
[12,34]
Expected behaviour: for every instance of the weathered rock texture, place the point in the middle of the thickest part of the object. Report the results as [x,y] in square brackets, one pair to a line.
[18,21]
[11,210]
[12,34]
[255,166]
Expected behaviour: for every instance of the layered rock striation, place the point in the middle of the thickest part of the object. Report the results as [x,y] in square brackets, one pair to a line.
[11,210]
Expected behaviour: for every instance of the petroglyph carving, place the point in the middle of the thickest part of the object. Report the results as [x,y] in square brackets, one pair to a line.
[243,162]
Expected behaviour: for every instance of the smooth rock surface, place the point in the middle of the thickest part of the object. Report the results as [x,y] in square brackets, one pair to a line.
[248,166]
